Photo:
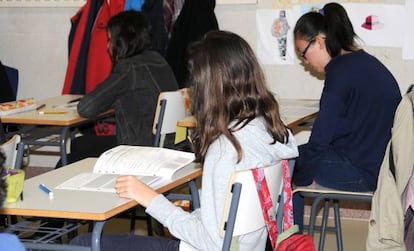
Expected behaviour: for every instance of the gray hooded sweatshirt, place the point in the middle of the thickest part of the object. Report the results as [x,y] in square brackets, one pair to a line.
[199,230]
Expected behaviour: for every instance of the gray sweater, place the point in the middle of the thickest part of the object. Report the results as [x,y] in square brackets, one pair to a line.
[199,230]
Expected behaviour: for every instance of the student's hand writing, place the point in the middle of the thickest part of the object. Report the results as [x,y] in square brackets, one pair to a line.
[130,187]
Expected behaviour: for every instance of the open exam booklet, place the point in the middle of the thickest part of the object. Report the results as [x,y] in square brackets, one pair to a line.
[149,164]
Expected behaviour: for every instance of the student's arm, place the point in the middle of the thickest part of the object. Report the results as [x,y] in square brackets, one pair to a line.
[105,94]
[323,131]
[200,228]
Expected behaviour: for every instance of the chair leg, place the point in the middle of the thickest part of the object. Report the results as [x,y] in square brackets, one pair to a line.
[338,229]
[312,217]
[324,224]
[133,219]
[145,217]
[149,224]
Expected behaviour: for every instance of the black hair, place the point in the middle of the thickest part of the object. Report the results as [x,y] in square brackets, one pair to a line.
[332,21]
[129,34]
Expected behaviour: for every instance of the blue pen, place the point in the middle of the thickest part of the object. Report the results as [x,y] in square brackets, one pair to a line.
[46,190]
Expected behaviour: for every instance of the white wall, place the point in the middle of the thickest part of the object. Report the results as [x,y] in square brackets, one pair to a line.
[34,40]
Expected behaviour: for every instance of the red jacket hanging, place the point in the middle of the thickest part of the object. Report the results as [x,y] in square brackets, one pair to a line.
[99,63]
[89,62]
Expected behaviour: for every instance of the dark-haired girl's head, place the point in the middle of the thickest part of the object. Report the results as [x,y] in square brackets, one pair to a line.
[128,35]
[329,29]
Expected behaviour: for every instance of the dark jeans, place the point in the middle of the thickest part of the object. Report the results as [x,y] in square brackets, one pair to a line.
[332,171]
[124,242]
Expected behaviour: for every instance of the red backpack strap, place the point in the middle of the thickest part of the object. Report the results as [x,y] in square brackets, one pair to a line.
[266,203]
[287,196]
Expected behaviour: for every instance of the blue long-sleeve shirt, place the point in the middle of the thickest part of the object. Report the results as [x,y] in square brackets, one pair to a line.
[356,114]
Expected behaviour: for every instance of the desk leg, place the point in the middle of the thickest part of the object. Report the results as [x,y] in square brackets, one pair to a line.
[63,143]
[96,235]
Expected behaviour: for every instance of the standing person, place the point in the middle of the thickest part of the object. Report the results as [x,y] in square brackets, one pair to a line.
[195,19]
[8,242]
[138,76]
[238,127]
[357,107]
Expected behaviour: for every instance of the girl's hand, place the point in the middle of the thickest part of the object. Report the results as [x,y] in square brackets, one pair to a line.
[130,187]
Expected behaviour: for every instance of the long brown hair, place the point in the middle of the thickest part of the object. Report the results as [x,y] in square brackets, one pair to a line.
[227,85]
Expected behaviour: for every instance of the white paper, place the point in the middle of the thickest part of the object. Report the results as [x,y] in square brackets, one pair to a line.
[70,106]
[151,165]
[139,160]
[99,182]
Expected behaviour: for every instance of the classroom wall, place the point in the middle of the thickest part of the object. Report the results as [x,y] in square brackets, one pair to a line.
[34,40]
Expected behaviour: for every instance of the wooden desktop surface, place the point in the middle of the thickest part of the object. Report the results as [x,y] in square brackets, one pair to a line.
[293,112]
[70,117]
[84,205]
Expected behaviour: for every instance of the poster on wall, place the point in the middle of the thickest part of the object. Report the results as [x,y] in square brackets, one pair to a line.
[275,37]
[275,43]
[381,25]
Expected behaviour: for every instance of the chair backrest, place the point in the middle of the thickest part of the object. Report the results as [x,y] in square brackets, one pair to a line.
[170,109]
[13,150]
[13,76]
[242,211]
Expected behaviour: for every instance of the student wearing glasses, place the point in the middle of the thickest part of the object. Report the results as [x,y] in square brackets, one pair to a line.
[357,106]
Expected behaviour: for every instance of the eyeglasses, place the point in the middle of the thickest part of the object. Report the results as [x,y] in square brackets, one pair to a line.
[303,53]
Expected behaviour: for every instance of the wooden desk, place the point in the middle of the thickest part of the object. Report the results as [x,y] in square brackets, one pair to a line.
[34,118]
[65,121]
[293,112]
[82,205]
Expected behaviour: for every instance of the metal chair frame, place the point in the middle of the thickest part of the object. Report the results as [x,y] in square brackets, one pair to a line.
[328,196]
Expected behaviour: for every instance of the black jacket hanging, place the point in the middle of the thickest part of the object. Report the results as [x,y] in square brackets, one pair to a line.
[196,18]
